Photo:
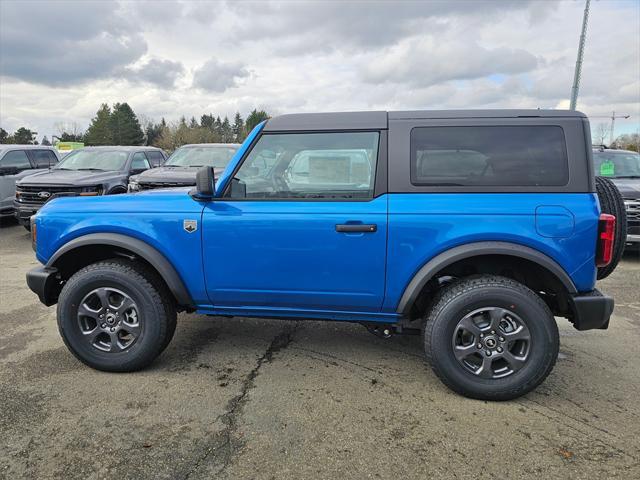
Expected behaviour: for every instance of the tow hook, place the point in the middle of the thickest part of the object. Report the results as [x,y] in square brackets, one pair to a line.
[381,331]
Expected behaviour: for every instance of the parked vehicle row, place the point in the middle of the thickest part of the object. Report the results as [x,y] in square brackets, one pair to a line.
[31,175]
[472,228]
[623,168]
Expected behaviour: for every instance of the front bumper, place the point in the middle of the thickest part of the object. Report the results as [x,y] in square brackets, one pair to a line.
[24,211]
[44,282]
[591,310]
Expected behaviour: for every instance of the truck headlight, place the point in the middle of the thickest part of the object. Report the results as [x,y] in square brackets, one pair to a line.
[133,186]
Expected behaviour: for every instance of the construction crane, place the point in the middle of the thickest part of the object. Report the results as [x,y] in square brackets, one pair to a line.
[613,123]
[578,70]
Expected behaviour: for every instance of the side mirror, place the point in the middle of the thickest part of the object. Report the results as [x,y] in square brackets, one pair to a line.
[205,182]
[9,171]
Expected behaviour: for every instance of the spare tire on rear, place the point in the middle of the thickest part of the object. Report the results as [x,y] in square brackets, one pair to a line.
[611,202]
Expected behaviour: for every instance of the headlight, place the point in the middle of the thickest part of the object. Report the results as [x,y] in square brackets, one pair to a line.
[133,186]
[91,191]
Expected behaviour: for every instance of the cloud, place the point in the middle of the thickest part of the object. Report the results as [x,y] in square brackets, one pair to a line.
[66,43]
[217,76]
[162,73]
[425,61]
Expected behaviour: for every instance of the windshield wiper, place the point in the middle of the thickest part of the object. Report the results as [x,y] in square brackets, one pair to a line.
[93,169]
[61,168]
[195,166]
[627,176]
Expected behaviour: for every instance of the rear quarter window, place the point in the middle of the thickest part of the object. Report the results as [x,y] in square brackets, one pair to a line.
[490,156]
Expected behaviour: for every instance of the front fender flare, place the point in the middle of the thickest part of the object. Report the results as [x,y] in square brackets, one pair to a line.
[139,248]
[475,249]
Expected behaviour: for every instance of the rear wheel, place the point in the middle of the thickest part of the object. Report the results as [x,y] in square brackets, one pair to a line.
[490,338]
[114,316]
[611,202]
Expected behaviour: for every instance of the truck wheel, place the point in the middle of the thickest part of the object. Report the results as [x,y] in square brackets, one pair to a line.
[611,202]
[490,338]
[114,316]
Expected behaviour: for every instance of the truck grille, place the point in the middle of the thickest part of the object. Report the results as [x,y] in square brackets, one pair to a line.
[152,185]
[42,193]
[633,210]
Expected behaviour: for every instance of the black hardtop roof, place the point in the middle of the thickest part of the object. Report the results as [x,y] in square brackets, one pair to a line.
[379,119]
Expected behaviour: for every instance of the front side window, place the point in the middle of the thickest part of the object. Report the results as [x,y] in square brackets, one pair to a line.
[310,166]
[139,162]
[44,158]
[16,159]
[489,156]
[156,158]
[112,160]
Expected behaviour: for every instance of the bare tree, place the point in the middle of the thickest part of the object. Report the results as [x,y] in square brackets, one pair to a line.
[601,133]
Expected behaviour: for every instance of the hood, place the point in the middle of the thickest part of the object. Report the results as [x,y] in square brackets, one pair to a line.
[185,175]
[74,178]
[629,187]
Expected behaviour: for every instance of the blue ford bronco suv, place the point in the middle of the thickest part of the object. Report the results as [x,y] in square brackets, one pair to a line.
[472,228]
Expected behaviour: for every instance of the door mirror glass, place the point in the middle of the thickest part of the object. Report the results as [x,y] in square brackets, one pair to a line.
[205,182]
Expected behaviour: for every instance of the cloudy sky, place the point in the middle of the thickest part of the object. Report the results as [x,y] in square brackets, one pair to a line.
[60,60]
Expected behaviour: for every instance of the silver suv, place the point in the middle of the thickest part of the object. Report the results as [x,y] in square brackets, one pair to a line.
[16,162]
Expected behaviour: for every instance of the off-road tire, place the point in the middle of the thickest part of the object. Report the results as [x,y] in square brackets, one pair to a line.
[157,310]
[472,293]
[611,202]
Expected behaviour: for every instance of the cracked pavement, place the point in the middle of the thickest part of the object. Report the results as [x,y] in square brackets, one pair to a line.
[270,399]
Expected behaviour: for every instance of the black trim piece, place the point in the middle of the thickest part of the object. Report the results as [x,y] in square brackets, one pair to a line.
[476,249]
[591,310]
[357,227]
[296,122]
[41,281]
[138,247]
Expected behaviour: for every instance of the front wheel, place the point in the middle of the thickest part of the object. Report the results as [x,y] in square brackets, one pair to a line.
[490,338]
[114,316]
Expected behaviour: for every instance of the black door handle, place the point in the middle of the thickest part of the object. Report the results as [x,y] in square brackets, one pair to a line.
[357,227]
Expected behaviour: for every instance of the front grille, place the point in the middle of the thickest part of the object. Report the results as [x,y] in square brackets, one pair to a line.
[40,194]
[633,210]
[152,185]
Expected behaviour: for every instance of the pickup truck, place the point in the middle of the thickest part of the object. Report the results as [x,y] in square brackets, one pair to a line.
[472,228]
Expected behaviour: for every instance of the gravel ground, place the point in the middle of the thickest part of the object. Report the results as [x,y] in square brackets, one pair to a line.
[262,399]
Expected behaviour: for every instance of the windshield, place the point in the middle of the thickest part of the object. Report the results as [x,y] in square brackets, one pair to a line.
[93,160]
[200,156]
[617,164]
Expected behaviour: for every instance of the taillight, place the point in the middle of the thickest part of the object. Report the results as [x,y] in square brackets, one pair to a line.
[606,237]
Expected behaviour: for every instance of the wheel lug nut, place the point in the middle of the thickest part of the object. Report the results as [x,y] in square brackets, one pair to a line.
[502,339]
[488,353]
[479,345]
[103,325]
[482,335]
[499,349]
[113,329]
[493,332]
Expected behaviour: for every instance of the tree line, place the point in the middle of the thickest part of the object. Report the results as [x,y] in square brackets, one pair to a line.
[119,125]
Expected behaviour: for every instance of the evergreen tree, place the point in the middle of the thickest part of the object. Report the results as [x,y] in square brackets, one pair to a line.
[238,128]
[4,136]
[227,134]
[125,127]
[193,123]
[23,136]
[45,141]
[254,118]
[207,121]
[100,131]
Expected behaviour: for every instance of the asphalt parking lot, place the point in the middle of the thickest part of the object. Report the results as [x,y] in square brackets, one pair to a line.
[235,398]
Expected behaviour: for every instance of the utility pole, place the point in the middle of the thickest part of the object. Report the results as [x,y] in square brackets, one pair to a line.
[578,71]
[613,123]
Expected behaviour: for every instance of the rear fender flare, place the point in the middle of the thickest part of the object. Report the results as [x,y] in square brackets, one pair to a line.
[448,257]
